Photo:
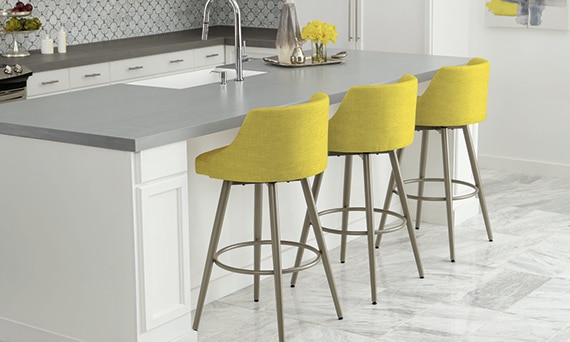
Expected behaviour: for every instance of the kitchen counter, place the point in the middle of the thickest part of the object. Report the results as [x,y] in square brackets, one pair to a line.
[104,223]
[134,118]
[84,54]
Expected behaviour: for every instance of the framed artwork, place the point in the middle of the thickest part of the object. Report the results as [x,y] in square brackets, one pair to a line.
[537,14]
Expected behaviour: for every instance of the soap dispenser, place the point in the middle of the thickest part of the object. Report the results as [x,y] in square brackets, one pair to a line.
[61,41]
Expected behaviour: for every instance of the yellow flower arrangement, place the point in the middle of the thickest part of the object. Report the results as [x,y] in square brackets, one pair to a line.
[317,30]
[320,34]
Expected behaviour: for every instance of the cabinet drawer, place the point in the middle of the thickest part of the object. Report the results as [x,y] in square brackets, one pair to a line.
[175,61]
[132,68]
[160,162]
[209,56]
[48,82]
[89,75]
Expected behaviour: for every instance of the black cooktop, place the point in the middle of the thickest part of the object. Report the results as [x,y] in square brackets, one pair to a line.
[14,76]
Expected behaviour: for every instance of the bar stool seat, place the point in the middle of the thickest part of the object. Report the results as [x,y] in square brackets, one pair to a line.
[371,119]
[281,144]
[455,98]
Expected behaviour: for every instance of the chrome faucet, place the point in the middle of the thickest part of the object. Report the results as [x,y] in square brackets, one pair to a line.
[237,34]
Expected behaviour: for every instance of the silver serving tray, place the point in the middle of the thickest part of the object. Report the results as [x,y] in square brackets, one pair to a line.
[275,61]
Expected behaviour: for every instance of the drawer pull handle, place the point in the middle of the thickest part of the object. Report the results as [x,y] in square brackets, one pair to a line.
[135,67]
[50,82]
[212,55]
[177,61]
[96,74]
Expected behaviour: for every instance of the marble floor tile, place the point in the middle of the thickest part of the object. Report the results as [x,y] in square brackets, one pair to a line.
[515,288]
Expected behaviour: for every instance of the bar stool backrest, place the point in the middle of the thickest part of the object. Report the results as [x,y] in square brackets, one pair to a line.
[375,118]
[274,145]
[456,96]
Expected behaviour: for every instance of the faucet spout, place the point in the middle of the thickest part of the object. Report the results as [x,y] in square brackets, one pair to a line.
[206,20]
[237,34]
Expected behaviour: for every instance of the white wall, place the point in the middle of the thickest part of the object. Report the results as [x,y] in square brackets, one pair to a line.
[529,93]
[529,96]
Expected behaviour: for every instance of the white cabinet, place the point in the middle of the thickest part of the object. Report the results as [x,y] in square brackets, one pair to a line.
[163,240]
[383,25]
[48,82]
[95,75]
[88,76]
[139,67]
[105,255]
[208,56]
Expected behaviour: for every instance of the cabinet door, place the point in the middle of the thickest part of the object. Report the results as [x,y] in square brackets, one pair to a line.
[336,12]
[392,26]
[382,25]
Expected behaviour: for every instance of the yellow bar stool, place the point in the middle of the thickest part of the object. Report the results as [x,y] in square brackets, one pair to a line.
[281,144]
[371,119]
[455,98]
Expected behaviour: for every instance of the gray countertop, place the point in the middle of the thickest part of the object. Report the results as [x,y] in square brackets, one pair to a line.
[107,51]
[134,118]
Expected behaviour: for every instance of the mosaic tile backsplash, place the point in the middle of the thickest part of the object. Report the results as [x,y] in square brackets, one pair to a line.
[89,21]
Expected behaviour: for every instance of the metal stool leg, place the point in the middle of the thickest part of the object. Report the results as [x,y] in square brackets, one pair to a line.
[276,253]
[257,221]
[315,222]
[345,204]
[305,232]
[477,178]
[423,163]
[388,200]
[397,175]
[214,240]
[369,205]
[448,192]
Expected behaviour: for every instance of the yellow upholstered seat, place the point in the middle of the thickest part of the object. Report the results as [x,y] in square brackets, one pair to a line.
[273,145]
[372,119]
[455,98]
[375,118]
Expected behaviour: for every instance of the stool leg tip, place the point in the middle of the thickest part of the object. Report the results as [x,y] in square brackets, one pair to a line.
[340,318]
[490,240]
[292,285]
[342,261]
[452,260]
[417,228]
[373,303]
[256,300]
[422,277]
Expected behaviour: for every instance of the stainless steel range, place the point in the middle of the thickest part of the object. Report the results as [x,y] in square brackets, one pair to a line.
[13,81]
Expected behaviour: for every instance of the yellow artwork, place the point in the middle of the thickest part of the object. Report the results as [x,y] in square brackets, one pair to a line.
[499,7]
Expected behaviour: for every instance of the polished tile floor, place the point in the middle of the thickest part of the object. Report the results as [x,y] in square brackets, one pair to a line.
[516,288]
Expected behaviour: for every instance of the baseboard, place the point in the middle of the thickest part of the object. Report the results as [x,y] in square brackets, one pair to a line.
[521,165]
[12,331]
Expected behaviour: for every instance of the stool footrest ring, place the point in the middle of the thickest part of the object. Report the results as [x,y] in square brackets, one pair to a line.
[399,226]
[305,265]
[434,198]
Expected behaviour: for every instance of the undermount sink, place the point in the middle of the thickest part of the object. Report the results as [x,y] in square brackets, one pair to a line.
[193,78]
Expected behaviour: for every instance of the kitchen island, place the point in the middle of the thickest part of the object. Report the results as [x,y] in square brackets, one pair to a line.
[103,221]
